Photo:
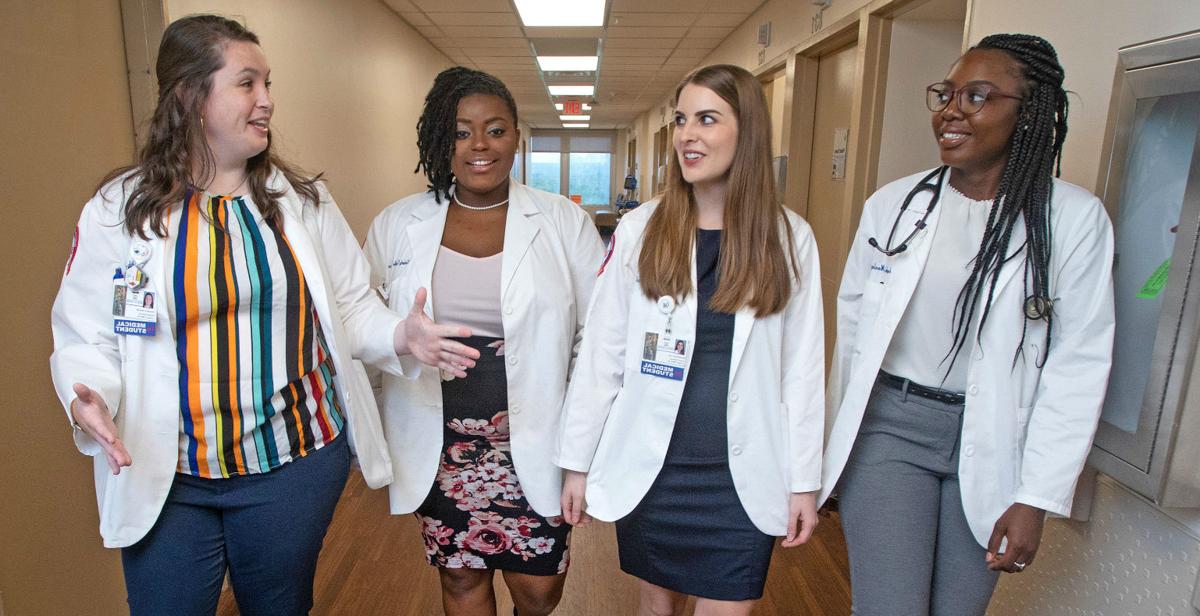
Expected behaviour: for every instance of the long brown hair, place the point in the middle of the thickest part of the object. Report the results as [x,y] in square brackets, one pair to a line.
[191,51]
[754,263]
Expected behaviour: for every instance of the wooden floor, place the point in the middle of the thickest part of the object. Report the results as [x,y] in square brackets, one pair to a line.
[374,563]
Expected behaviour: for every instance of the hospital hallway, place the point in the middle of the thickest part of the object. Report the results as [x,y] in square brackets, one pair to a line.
[374,564]
[586,132]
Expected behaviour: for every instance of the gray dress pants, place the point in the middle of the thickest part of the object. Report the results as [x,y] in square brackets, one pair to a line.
[911,551]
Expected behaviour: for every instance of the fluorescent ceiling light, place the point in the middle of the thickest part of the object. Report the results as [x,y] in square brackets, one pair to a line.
[568,63]
[553,13]
[558,106]
[575,125]
[572,90]
[586,107]
[574,118]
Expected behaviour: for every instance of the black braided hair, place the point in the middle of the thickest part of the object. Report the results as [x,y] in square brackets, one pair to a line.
[436,126]
[1035,154]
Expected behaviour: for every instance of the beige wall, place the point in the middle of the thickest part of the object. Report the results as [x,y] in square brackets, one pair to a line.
[66,122]
[1088,52]
[791,25]
[777,100]
[921,53]
[349,81]
[645,127]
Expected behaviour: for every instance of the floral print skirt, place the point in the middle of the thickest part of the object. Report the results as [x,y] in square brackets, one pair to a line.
[476,515]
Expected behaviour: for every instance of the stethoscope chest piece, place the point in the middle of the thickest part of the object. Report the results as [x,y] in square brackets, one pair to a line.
[1037,308]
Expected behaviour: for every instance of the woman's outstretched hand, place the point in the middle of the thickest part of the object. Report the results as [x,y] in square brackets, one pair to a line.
[92,416]
[431,343]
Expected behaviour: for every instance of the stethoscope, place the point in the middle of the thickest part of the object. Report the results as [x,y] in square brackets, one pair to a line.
[926,183]
[1035,307]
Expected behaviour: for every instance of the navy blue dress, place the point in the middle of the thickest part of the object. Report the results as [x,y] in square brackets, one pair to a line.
[690,533]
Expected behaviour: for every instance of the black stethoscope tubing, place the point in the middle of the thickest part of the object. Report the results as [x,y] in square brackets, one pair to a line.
[1035,307]
[926,183]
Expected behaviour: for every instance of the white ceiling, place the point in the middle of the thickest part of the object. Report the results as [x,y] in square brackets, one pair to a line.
[645,48]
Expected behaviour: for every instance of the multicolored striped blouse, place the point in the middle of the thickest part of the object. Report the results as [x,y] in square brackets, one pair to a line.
[256,384]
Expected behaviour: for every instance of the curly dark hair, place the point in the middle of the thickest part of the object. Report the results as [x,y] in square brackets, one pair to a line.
[1034,158]
[435,128]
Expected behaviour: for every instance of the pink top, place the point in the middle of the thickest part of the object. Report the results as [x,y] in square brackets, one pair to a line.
[466,291]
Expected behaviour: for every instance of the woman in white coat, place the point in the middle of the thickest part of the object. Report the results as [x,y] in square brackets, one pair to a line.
[215,414]
[695,412]
[975,327]
[472,450]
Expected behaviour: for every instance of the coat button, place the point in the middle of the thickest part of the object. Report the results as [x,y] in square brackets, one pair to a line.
[512,361]
[514,409]
[736,450]
[972,390]
[733,397]
[969,450]
[508,309]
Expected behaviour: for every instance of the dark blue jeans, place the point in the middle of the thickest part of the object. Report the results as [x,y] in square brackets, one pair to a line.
[266,529]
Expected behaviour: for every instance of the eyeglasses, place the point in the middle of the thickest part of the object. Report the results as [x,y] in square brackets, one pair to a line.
[970,97]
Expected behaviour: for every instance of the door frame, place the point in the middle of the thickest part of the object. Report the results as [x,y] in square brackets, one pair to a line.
[870,28]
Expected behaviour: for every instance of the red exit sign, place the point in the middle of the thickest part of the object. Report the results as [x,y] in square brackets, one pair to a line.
[572,108]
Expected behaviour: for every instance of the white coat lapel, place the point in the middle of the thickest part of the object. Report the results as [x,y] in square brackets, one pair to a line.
[425,237]
[691,312]
[519,231]
[743,322]
[303,245]
[908,265]
[156,270]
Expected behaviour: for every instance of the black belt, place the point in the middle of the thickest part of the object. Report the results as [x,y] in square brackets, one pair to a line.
[931,393]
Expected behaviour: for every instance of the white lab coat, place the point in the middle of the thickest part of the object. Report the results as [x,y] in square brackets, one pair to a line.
[617,422]
[551,254]
[1026,430]
[138,377]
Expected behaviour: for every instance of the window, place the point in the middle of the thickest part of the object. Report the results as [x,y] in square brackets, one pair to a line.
[576,162]
[545,171]
[590,176]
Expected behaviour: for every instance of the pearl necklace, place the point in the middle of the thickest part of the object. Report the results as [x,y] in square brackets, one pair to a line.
[478,208]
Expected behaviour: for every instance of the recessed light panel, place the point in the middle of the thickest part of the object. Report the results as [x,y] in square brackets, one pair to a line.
[568,63]
[556,13]
[572,90]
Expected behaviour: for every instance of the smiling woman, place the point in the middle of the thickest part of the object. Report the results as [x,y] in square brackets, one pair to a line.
[211,126]
[216,423]
[695,413]
[516,266]
[960,419]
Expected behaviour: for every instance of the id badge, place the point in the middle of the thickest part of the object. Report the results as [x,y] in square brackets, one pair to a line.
[133,306]
[664,356]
